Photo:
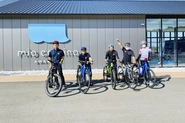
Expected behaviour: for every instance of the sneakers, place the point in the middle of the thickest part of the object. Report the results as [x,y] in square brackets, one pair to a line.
[91,84]
[151,83]
[64,87]
[56,87]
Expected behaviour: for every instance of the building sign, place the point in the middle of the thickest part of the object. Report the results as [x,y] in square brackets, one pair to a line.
[29,53]
[40,33]
[46,33]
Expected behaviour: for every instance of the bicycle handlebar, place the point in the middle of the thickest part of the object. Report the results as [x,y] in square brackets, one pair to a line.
[53,62]
[86,62]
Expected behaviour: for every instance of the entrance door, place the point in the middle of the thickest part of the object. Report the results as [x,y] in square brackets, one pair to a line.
[169,43]
[154,41]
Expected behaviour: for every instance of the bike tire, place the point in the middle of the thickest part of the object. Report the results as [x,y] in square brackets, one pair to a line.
[86,84]
[150,78]
[78,69]
[131,80]
[121,75]
[54,94]
[104,75]
[113,79]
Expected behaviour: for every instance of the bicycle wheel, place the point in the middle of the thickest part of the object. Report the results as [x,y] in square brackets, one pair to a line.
[105,74]
[131,78]
[113,79]
[120,74]
[149,77]
[85,84]
[77,74]
[53,85]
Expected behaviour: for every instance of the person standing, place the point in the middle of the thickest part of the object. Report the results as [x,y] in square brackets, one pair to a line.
[112,56]
[128,54]
[57,55]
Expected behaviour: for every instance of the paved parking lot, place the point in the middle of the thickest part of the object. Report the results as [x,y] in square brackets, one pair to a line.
[26,102]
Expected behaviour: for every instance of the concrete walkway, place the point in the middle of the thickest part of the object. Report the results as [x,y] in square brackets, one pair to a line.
[33,78]
[27,102]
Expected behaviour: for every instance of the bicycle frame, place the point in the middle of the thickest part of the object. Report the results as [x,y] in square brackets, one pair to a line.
[127,70]
[109,68]
[83,70]
[144,67]
[53,68]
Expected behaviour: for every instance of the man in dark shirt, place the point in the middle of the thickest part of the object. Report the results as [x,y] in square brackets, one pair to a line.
[86,56]
[128,54]
[112,56]
[57,55]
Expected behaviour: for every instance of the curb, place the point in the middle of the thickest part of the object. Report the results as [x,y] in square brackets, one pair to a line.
[72,77]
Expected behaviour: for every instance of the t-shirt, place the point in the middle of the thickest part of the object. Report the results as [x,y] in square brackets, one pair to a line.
[83,57]
[112,55]
[56,55]
[127,55]
[144,52]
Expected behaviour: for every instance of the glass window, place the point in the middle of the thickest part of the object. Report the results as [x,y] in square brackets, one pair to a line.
[169,56]
[153,25]
[153,28]
[168,25]
[181,42]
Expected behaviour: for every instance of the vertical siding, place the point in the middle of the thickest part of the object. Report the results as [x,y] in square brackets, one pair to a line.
[34,46]
[125,33]
[69,60]
[102,47]
[7,38]
[1,45]
[117,26]
[109,31]
[16,37]
[133,32]
[25,43]
[76,38]
[93,40]
[42,46]
[95,32]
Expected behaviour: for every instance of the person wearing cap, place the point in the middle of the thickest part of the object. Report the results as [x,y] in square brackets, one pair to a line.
[86,56]
[112,55]
[144,53]
[57,55]
[128,54]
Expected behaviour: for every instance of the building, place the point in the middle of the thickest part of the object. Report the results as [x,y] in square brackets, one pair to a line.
[91,23]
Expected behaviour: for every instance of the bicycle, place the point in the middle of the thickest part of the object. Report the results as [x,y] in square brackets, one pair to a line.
[109,71]
[53,83]
[83,77]
[128,75]
[147,73]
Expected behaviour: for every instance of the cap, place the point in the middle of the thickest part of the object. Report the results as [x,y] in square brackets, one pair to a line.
[143,42]
[127,44]
[83,48]
[111,45]
[55,42]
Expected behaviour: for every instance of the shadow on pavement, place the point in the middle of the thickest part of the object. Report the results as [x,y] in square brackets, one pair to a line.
[72,89]
[121,86]
[99,87]
[160,80]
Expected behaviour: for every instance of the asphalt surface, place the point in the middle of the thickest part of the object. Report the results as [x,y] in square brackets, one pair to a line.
[27,103]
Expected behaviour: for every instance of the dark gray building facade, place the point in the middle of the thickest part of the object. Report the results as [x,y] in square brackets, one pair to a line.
[93,28]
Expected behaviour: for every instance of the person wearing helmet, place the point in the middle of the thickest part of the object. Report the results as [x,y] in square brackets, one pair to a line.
[128,54]
[57,55]
[112,55]
[86,56]
[144,52]
[145,55]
